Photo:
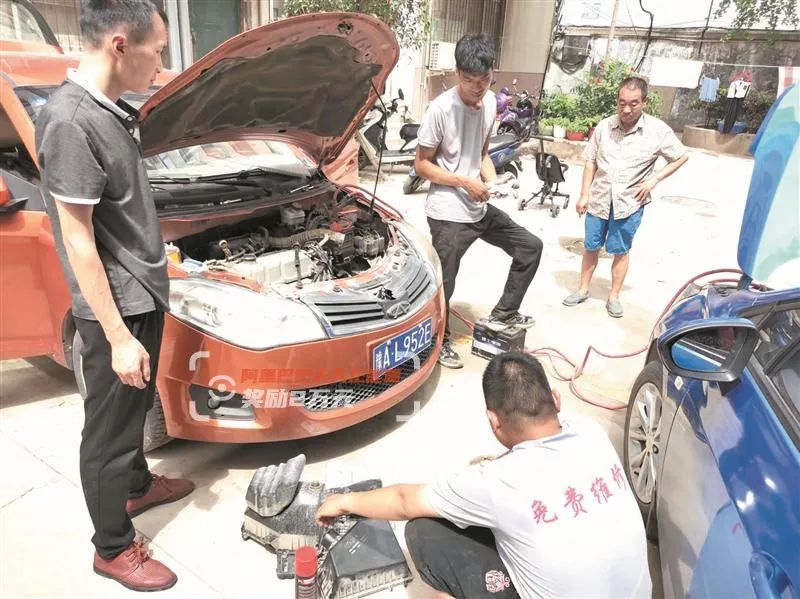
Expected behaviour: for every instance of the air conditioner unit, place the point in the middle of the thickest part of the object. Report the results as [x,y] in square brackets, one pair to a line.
[442,56]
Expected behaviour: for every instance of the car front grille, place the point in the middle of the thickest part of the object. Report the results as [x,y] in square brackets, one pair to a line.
[345,394]
[371,306]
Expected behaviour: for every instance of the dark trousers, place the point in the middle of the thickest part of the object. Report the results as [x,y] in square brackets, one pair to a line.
[452,240]
[112,463]
[463,563]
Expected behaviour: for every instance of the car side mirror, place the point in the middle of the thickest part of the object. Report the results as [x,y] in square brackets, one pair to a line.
[714,350]
[400,94]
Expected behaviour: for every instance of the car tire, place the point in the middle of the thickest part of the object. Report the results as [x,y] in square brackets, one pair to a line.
[412,184]
[155,425]
[642,442]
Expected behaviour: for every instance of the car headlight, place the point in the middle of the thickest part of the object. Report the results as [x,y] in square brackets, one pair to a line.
[242,317]
[423,247]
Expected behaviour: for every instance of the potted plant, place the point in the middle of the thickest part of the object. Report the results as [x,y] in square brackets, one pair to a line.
[577,130]
[560,125]
[592,123]
[546,127]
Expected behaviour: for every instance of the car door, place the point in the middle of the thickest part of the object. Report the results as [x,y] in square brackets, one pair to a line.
[728,505]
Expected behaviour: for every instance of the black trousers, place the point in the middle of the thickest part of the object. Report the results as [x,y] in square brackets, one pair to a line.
[452,240]
[112,463]
[463,563]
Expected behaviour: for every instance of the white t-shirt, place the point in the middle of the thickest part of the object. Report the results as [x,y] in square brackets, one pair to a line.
[564,520]
[459,132]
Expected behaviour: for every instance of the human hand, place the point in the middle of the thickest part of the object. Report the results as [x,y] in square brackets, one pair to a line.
[644,188]
[477,190]
[582,206]
[131,362]
[333,507]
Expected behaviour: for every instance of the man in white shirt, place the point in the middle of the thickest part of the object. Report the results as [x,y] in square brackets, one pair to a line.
[552,517]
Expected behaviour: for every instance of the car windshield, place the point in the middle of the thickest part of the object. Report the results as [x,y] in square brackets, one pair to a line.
[18,24]
[206,160]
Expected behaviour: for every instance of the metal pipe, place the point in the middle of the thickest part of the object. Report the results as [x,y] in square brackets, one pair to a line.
[611,30]
[184,22]
[175,58]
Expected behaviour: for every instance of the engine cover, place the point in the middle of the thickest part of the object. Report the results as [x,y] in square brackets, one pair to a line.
[276,267]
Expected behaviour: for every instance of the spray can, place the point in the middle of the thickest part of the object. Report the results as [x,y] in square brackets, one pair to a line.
[305,573]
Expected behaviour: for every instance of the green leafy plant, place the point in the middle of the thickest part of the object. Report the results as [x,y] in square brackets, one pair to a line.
[754,108]
[596,95]
[752,12]
[561,121]
[559,104]
[408,19]
[578,126]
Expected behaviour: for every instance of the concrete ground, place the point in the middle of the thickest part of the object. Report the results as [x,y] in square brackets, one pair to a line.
[44,528]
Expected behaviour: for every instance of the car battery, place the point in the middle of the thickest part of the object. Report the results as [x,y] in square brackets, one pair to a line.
[488,342]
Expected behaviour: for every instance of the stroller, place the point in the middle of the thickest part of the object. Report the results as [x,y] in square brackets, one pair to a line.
[550,171]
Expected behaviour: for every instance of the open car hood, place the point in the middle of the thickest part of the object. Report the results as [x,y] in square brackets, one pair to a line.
[306,80]
[769,240]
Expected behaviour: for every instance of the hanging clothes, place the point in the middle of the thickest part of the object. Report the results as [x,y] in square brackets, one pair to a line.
[708,88]
[787,76]
[732,108]
[738,89]
[743,75]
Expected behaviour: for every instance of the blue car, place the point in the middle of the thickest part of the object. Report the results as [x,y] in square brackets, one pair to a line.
[712,433]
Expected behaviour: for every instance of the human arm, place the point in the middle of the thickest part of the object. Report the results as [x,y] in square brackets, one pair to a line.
[645,187]
[397,502]
[74,178]
[426,168]
[589,170]
[129,359]
[676,155]
[488,173]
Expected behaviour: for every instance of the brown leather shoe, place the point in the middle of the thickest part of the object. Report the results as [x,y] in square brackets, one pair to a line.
[136,570]
[162,490]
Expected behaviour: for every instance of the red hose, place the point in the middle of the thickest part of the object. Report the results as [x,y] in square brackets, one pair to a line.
[554,354]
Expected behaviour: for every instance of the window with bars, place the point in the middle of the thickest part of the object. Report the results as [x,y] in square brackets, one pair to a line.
[451,19]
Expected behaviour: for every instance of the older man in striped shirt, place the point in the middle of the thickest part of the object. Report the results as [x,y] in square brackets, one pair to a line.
[617,180]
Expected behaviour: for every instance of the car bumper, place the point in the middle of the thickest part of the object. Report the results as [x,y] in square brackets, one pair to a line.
[276,393]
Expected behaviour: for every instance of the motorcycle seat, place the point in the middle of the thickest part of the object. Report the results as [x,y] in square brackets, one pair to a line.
[500,142]
[409,131]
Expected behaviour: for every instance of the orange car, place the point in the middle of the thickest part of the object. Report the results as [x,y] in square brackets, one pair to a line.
[300,306]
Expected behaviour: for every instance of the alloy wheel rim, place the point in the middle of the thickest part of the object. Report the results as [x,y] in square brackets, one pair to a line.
[644,438]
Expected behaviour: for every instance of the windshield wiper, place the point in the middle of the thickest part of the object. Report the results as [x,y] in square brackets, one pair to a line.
[244,174]
[190,180]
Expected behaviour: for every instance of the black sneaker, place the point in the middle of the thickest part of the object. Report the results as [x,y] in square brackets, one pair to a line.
[448,357]
[515,320]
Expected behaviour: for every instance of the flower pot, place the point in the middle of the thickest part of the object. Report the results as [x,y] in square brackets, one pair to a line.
[546,130]
[559,132]
[738,127]
[575,135]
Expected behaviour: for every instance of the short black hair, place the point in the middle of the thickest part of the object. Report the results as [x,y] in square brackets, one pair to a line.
[634,82]
[475,53]
[515,385]
[98,17]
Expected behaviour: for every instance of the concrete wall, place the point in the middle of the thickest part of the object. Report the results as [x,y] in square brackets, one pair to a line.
[677,106]
[526,36]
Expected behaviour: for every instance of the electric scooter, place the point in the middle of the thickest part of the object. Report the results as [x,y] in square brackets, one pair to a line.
[371,136]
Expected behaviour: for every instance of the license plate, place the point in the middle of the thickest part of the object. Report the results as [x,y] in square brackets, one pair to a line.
[402,347]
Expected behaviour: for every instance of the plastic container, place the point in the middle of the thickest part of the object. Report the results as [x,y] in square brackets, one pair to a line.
[305,573]
[173,253]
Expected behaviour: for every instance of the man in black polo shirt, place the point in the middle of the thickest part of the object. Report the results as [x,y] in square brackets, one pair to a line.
[108,238]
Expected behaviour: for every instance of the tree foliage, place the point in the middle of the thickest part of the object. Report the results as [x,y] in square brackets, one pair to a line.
[753,12]
[408,19]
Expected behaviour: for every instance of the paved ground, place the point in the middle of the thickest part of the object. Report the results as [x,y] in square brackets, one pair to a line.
[44,528]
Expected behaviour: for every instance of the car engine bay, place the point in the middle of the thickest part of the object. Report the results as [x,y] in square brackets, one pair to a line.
[291,244]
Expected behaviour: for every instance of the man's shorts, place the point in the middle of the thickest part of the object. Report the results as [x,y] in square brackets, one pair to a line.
[616,235]
[463,563]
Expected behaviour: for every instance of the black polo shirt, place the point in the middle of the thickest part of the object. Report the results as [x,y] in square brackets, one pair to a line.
[89,153]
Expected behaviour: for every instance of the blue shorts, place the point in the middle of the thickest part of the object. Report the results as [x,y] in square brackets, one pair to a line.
[616,235]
